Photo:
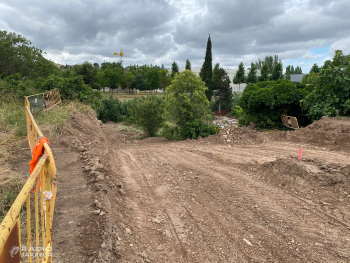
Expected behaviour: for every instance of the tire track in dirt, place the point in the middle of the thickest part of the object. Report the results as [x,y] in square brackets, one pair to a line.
[280,212]
[131,180]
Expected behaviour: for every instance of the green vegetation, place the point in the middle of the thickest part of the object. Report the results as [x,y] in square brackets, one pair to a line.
[73,88]
[237,111]
[188,64]
[239,76]
[187,106]
[113,109]
[147,112]
[221,85]
[9,192]
[17,56]
[252,76]
[206,72]
[331,95]
[264,102]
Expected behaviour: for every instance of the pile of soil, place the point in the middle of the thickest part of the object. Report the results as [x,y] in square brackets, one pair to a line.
[331,133]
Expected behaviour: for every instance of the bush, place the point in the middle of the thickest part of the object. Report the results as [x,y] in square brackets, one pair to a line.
[187,103]
[264,102]
[237,111]
[147,112]
[73,88]
[172,132]
[111,110]
[331,94]
[197,128]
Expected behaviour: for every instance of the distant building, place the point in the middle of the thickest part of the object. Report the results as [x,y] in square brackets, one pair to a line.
[231,75]
[296,77]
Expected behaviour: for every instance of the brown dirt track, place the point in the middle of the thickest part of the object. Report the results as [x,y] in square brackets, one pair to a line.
[206,200]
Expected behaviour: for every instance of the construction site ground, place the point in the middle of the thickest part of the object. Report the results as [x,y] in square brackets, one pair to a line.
[238,196]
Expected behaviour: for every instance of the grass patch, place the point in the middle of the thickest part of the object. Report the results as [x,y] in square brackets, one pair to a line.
[9,189]
[123,96]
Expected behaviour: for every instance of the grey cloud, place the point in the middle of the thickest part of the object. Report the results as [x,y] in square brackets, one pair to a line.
[162,31]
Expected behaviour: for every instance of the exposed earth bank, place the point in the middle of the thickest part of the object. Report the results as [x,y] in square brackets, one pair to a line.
[239,196]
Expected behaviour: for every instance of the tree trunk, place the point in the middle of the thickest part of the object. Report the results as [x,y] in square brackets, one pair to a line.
[219,107]
[239,87]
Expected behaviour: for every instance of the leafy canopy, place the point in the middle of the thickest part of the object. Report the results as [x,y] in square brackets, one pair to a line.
[147,112]
[186,101]
[331,96]
[264,102]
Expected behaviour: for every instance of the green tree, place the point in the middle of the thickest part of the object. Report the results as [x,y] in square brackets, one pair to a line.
[88,71]
[139,83]
[252,75]
[264,102]
[239,76]
[221,83]
[18,56]
[264,74]
[315,69]
[331,95]
[147,112]
[215,70]
[186,101]
[128,79]
[96,65]
[164,79]
[112,75]
[288,72]
[174,69]
[310,78]
[206,72]
[188,64]
[298,70]
[277,72]
[271,62]
[153,78]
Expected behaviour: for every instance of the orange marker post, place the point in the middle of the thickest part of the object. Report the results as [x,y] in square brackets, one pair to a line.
[300,152]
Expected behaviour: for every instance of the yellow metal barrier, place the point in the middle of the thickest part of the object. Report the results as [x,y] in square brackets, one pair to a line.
[11,249]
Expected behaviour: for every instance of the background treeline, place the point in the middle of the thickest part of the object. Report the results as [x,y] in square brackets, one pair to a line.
[325,91]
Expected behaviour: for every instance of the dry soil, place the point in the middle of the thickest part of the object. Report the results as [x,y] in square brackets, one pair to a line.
[239,196]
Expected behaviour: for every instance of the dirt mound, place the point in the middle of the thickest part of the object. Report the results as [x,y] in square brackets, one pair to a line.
[235,135]
[310,173]
[331,133]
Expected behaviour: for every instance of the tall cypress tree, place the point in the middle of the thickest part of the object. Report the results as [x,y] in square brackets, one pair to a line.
[277,71]
[252,75]
[174,69]
[239,77]
[206,72]
[188,65]
[264,73]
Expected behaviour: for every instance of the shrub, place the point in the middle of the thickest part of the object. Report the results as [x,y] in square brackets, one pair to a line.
[186,101]
[72,88]
[111,110]
[147,112]
[197,128]
[331,94]
[237,111]
[172,132]
[265,101]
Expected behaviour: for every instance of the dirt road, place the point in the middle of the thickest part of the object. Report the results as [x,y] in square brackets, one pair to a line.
[240,196]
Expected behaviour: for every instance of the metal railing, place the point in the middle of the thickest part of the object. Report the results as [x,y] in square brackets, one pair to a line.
[11,249]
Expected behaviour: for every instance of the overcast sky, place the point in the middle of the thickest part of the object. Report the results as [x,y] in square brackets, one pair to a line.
[161,31]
